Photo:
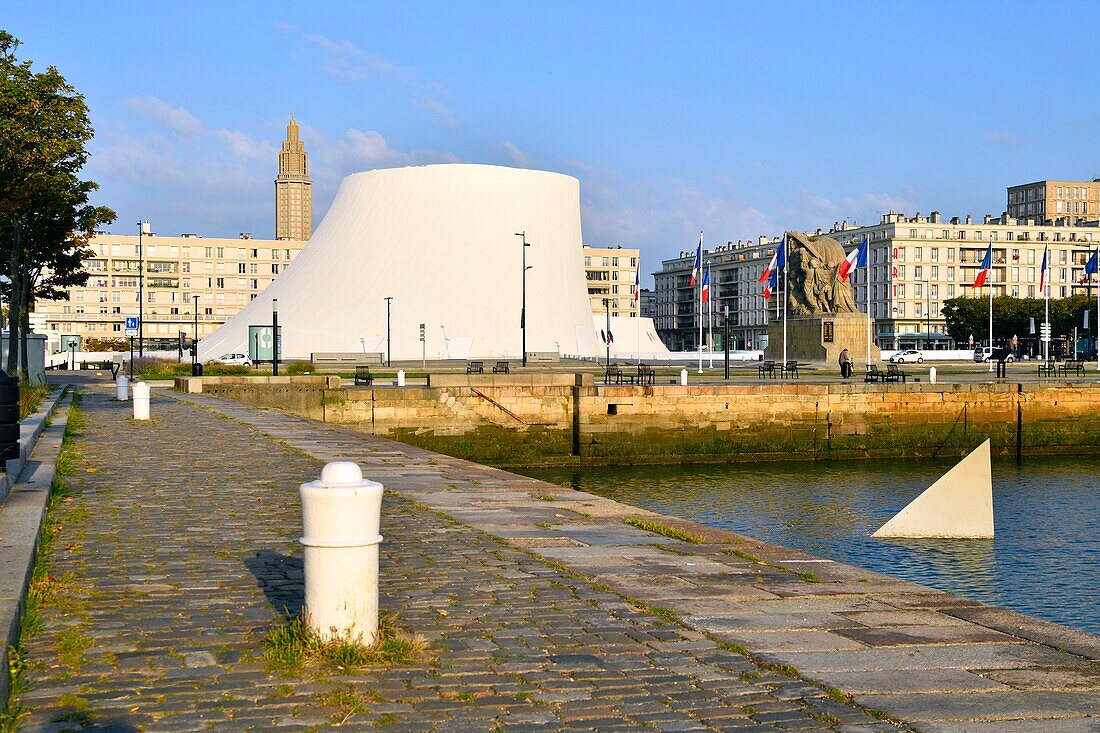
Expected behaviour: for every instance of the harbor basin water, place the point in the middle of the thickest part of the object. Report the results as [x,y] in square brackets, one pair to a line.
[1044,561]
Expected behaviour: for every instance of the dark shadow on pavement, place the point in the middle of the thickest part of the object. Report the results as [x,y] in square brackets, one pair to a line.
[86,723]
[282,578]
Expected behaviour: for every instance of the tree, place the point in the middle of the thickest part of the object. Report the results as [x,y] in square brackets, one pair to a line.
[45,217]
[1011,317]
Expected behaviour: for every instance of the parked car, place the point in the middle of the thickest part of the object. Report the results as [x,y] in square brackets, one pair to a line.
[233,359]
[907,356]
[983,353]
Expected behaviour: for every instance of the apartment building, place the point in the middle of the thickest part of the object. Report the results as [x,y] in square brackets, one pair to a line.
[170,273]
[914,264]
[610,275]
[1047,201]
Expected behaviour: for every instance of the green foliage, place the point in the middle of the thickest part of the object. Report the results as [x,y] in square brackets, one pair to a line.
[94,344]
[664,530]
[30,397]
[45,215]
[149,367]
[291,647]
[1012,317]
[297,367]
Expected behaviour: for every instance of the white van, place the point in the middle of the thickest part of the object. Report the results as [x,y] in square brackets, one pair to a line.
[983,353]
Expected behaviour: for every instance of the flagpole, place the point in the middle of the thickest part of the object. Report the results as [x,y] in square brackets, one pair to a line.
[990,276]
[1046,319]
[1096,326]
[867,264]
[699,343]
[710,321]
[783,244]
[638,305]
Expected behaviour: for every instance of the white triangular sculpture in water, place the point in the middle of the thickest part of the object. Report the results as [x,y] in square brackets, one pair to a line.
[959,504]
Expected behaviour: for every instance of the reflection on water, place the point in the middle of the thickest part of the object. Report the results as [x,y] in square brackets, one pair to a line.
[1044,560]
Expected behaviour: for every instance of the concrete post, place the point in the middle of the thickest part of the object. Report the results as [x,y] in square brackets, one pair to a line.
[141,401]
[340,519]
[932,375]
[122,388]
[400,377]
[684,377]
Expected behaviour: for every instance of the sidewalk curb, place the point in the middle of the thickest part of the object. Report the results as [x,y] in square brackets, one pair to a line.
[21,516]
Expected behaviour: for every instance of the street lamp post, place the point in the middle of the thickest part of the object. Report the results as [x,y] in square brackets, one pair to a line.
[388,298]
[726,337]
[143,228]
[274,337]
[194,340]
[607,333]
[523,296]
[927,313]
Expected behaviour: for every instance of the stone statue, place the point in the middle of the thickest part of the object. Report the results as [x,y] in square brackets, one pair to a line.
[813,276]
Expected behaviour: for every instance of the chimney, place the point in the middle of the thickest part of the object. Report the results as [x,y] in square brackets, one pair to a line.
[935,217]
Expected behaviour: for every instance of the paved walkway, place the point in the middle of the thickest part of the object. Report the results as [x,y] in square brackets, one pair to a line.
[182,549]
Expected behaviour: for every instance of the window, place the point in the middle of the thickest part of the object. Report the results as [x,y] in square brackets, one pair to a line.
[588,262]
[275,269]
[935,254]
[605,261]
[274,254]
[950,254]
[253,268]
[935,272]
[927,233]
[950,291]
[1031,274]
[614,261]
[221,282]
[912,233]
[1015,274]
[918,254]
[255,283]
[240,268]
[901,272]
[951,273]
[918,272]
[1031,258]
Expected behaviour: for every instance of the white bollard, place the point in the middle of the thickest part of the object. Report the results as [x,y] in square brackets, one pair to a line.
[400,377]
[122,388]
[340,518]
[932,375]
[684,377]
[141,401]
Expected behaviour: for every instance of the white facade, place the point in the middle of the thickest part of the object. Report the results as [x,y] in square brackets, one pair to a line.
[441,241]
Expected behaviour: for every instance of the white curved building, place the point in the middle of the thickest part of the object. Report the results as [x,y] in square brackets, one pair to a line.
[441,241]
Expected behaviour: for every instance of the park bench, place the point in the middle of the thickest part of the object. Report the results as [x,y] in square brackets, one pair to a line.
[765,369]
[790,369]
[1048,369]
[363,375]
[874,374]
[644,375]
[613,372]
[895,374]
[1072,365]
[501,367]
[475,367]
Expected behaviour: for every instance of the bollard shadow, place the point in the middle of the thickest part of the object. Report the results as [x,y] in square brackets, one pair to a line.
[282,579]
[86,721]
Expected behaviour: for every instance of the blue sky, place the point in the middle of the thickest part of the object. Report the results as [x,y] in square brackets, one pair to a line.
[738,119]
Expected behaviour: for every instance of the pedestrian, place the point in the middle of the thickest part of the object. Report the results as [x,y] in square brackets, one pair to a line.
[845,364]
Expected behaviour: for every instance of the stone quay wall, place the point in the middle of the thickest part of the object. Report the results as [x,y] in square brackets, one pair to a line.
[569,415]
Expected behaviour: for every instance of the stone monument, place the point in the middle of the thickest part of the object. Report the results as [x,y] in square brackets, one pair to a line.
[822,316]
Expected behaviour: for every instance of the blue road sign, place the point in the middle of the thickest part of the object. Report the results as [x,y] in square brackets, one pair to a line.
[131,322]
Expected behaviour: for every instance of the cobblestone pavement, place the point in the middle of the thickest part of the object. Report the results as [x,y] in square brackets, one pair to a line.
[180,552]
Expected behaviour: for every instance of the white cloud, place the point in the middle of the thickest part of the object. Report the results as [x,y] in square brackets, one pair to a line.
[157,110]
[347,62]
[515,156]
[442,112]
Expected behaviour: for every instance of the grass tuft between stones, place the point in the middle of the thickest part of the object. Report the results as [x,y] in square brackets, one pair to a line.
[664,530]
[291,647]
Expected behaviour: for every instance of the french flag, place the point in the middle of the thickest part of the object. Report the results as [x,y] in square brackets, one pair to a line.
[638,281]
[773,282]
[855,260]
[706,285]
[1093,265]
[779,260]
[698,261]
[1043,269]
[987,263]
